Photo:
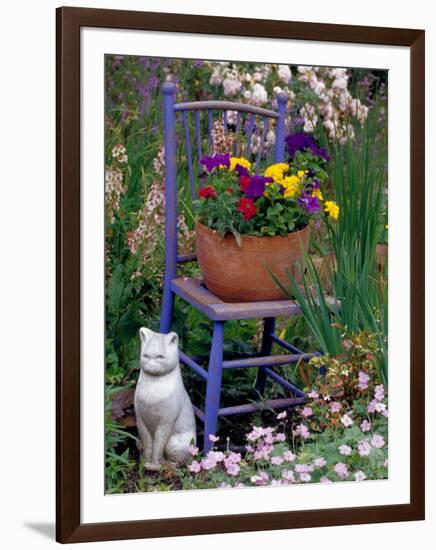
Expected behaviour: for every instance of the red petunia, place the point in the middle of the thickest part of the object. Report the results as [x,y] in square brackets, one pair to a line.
[247,207]
[244,182]
[207,192]
[230,190]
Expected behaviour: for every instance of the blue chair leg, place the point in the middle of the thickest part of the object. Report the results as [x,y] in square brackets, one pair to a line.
[268,329]
[213,389]
[167,310]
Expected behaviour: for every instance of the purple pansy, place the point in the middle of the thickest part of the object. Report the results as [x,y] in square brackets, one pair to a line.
[215,161]
[311,204]
[301,141]
[257,186]
[241,170]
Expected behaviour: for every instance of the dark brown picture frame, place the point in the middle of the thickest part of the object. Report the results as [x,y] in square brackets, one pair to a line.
[68,525]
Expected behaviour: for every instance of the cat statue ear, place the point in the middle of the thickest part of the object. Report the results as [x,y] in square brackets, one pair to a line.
[172,339]
[145,334]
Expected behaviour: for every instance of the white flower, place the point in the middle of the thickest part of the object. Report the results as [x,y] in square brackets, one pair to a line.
[259,94]
[284,73]
[216,78]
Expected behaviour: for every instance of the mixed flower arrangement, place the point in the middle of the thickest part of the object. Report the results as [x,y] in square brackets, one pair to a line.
[282,200]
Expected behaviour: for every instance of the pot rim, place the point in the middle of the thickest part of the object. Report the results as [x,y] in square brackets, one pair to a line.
[292,234]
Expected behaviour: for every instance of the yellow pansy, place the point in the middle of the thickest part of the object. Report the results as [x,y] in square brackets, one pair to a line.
[291,185]
[301,173]
[317,193]
[332,209]
[276,171]
[239,160]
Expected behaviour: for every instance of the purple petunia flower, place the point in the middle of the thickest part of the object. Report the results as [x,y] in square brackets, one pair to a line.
[257,186]
[301,142]
[311,204]
[215,161]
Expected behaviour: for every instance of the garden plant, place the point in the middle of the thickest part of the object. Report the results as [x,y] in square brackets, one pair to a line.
[333,180]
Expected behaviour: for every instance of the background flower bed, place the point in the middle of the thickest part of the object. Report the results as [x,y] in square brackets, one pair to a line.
[337,106]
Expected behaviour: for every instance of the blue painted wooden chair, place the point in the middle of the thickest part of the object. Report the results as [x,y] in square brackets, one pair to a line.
[253,124]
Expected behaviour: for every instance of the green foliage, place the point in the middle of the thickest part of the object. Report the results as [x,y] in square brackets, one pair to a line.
[359,301]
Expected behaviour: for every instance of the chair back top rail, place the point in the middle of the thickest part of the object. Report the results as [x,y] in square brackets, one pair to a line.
[225,106]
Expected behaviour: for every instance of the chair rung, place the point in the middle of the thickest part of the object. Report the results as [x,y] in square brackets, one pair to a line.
[284,383]
[186,258]
[263,405]
[266,361]
[194,366]
[284,344]
[198,412]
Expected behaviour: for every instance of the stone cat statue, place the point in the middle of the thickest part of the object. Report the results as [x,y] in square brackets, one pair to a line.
[164,413]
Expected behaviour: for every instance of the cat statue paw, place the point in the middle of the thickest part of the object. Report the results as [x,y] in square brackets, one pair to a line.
[164,413]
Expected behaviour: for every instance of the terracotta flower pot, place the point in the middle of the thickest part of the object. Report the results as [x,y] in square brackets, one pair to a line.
[240,273]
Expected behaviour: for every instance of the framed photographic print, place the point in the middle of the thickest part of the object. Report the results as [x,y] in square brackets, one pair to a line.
[239,215]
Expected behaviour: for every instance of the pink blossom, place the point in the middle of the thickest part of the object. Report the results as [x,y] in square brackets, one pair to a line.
[194,467]
[335,406]
[239,485]
[249,448]
[269,439]
[255,433]
[277,460]
[363,380]
[263,452]
[386,463]
[218,456]
[379,392]
[303,468]
[234,457]
[225,485]
[302,431]
[385,413]
[306,412]
[342,470]
[305,477]
[325,479]
[231,86]
[280,437]
[359,476]
[260,478]
[282,415]
[364,447]
[213,438]
[347,421]
[345,450]
[208,463]
[313,394]
[278,482]
[378,441]
[289,456]
[320,462]
[371,406]
[232,468]
[193,450]
[288,475]
[365,426]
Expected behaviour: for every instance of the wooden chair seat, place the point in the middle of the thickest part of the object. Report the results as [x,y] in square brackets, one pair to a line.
[195,293]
